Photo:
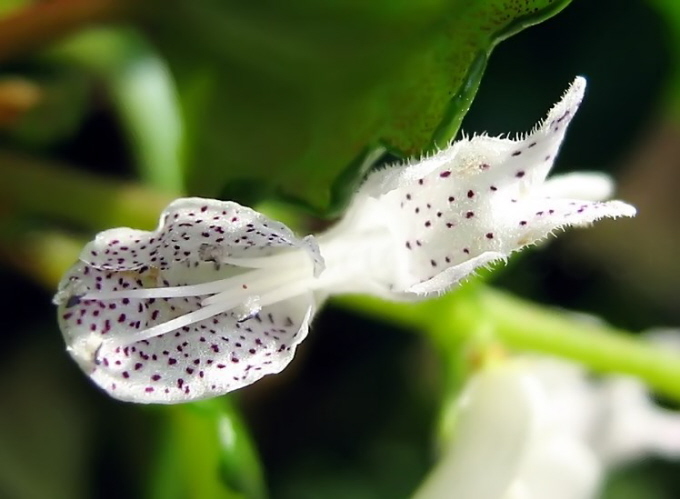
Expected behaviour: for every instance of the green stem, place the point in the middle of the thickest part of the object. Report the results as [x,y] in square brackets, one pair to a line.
[480,314]
[43,256]
[207,452]
[605,349]
[36,187]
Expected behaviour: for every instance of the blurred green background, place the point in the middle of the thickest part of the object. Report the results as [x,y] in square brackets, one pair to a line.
[283,100]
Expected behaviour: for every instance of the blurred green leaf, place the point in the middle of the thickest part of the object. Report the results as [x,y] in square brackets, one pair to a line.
[142,93]
[290,93]
[206,453]
[635,482]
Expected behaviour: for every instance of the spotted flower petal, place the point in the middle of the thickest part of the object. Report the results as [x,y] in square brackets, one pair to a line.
[134,311]
[478,201]
[220,230]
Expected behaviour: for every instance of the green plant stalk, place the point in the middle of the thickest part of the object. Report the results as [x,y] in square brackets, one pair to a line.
[525,325]
[207,453]
[487,317]
[36,187]
[41,255]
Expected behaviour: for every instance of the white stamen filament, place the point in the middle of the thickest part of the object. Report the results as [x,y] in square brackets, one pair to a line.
[265,280]
[294,287]
[287,259]
[267,287]
[206,288]
[294,277]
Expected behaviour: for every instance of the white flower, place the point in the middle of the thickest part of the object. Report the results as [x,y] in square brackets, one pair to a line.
[479,200]
[635,426]
[219,295]
[214,299]
[540,427]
